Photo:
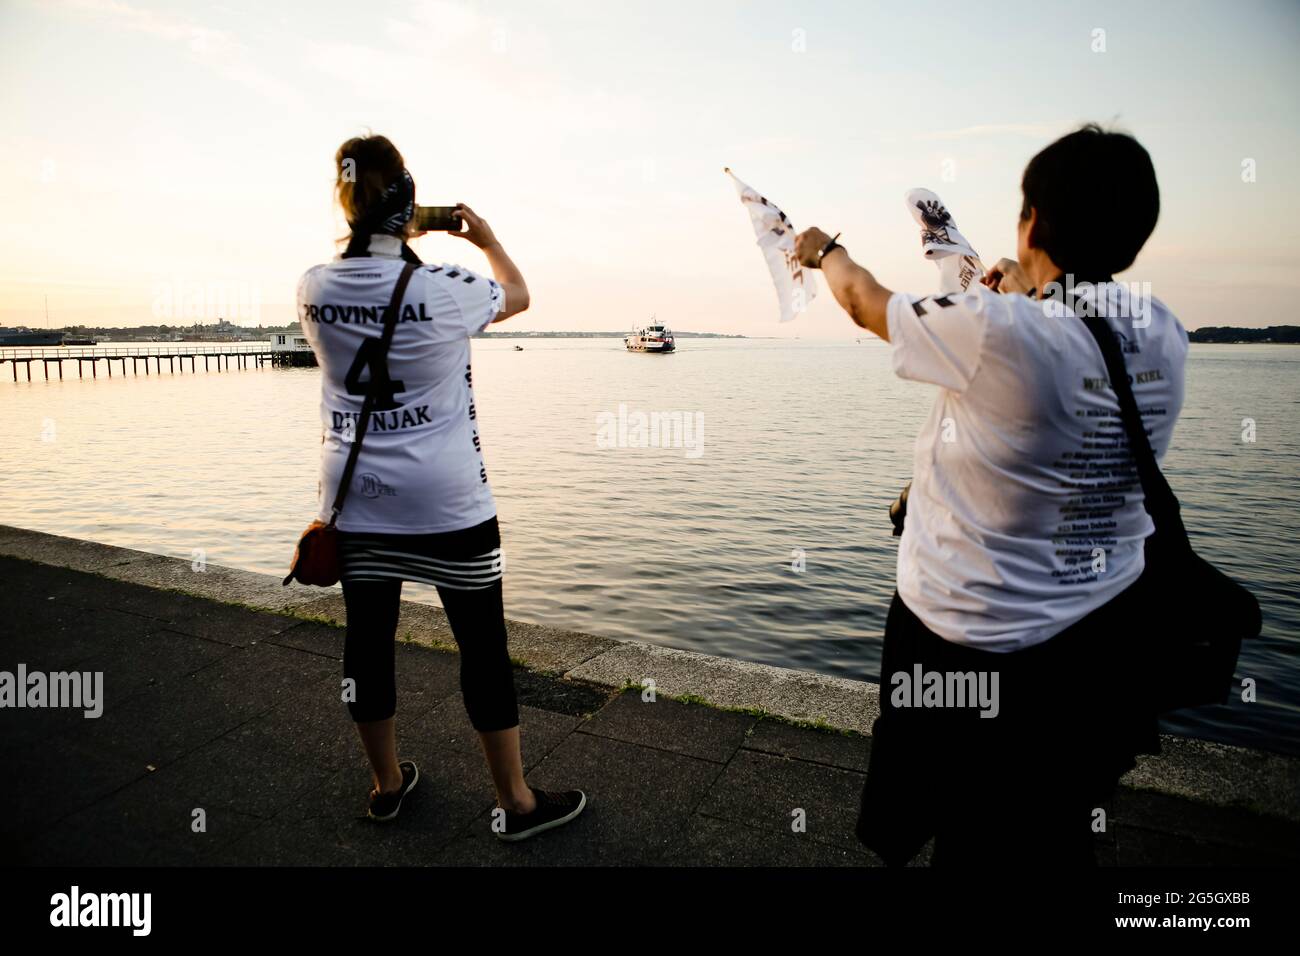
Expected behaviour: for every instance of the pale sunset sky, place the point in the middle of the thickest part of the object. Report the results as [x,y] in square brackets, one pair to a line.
[149,146]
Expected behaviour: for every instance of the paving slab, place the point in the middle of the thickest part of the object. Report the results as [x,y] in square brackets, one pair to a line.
[61,636]
[708,841]
[848,751]
[447,727]
[664,724]
[311,636]
[1204,822]
[1137,846]
[286,840]
[154,658]
[50,779]
[142,824]
[775,793]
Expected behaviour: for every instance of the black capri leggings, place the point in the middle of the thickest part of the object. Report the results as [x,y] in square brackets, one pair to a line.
[477,619]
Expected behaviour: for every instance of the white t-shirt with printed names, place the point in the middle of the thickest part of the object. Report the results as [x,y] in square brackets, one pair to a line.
[1025,513]
[420,470]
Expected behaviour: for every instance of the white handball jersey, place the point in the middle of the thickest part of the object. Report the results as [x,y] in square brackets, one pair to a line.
[1025,513]
[421,468]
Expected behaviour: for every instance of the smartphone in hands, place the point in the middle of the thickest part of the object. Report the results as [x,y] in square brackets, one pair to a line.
[436,219]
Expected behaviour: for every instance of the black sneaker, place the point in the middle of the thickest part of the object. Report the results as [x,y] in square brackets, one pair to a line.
[554,809]
[384,806]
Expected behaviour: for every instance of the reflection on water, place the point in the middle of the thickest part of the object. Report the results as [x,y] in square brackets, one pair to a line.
[798,449]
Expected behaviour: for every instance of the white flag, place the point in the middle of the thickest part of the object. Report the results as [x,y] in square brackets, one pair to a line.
[795,287]
[958,263]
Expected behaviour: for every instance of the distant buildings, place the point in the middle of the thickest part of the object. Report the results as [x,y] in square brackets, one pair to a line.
[219,331]
[222,331]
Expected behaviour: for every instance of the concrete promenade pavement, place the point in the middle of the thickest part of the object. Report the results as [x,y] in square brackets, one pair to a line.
[233,709]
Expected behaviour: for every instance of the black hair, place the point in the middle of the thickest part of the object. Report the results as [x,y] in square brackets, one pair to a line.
[1097,201]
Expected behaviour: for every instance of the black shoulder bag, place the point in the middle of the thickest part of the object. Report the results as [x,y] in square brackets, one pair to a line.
[1195,614]
[316,559]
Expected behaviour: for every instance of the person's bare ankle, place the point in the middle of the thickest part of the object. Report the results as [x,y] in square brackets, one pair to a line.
[389,785]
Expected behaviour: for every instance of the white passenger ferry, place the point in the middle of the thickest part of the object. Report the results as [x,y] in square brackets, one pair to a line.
[654,337]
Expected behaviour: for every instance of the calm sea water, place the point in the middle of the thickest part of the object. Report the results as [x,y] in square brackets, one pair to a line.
[803,447]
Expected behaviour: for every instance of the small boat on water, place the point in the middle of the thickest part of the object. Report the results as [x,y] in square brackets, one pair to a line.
[519,348]
[653,337]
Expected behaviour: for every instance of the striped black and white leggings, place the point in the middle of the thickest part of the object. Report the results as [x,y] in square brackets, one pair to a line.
[466,568]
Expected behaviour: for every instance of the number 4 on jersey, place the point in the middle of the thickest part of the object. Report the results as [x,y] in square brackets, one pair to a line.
[385,387]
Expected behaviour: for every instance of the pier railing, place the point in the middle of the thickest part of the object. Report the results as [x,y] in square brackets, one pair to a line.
[164,349]
[225,354]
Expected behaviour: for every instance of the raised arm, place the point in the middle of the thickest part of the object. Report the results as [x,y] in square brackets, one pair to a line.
[505,272]
[854,288]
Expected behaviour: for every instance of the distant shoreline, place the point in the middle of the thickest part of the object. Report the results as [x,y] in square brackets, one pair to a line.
[1226,335]
[597,335]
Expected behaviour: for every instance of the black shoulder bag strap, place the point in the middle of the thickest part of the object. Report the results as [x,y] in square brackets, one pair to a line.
[1203,615]
[391,319]
[1158,497]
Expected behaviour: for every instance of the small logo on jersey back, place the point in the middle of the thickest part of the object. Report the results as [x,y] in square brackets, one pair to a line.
[372,487]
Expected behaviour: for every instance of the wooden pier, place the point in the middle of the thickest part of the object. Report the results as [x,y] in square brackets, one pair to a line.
[213,355]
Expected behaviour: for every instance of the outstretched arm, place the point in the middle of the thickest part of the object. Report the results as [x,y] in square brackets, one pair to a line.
[504,270]
[855,289]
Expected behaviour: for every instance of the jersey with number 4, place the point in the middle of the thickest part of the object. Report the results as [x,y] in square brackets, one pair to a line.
[420,470]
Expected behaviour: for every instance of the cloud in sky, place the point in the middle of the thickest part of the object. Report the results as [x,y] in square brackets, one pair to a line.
[215,48]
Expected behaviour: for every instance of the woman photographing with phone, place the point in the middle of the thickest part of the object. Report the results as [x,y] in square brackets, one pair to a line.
[413,503]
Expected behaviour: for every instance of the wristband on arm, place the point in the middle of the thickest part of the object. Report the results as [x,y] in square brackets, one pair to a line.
[828,248]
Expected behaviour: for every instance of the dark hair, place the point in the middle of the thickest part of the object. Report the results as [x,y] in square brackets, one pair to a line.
[364,167]
[1097,201]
